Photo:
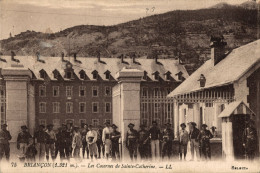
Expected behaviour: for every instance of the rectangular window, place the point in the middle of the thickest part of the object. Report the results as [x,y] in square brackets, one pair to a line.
[82,91]
[42,107]
[107,91]
[95,107]
[156,92]
[108,107]
[56,91]
[107,75]
[145,92]
[69,107]
[95,122]
[69,91]
[82,107]
[94,91]
[42,122]
[42,91]
[56,107]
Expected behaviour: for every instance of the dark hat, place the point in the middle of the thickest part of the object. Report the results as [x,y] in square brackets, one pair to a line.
[204,125]
[183,124]
[90,125]
[213,127]
[43,126]
[114,126]
[154,122]
[24,127]
[107,122]
[167,124]
[131,124]
[49,125]
[193,124]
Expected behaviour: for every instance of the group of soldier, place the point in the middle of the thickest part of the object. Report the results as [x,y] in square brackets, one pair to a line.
[106,142]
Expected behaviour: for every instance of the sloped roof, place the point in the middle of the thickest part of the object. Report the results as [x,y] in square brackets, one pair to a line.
[227,71]
[91,63]
[238,107]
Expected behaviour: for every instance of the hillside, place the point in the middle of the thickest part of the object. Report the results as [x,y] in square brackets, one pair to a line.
[176,34]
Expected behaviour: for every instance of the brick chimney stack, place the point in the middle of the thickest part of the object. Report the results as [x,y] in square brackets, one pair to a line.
[217,48]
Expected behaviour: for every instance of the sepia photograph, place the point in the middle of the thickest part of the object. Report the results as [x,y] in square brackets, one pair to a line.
[130,86]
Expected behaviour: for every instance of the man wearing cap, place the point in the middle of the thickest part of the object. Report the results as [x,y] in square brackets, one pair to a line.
[40,138]
[5,137]
[131,141]
[106,138]
[92,139]
[61,138]
[99,141]
[154,134]
[23,141]
[194,141]
[115,135]
[168,137]
[68,141]
[50,142]
[249,139]
[183,138]
[76,143]
[143,140]
[84,132]
[204,138]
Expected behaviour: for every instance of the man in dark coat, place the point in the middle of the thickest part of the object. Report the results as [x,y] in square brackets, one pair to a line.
[204,138]
[115,135]
[194,141]
[83,133]
[5,137]
[61,139]
[167,138]
[22,142]
[40,138]
[131,141]
[100,145]
[154,134]
[249,139]
[143,142]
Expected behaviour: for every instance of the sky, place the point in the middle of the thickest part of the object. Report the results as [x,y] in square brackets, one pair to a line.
[17,16]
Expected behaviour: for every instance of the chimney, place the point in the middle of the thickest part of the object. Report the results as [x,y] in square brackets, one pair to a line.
[122,58]
[38,57]
[133,58]
[156,59]
[12,57]
[98,56]
[202,80]
[217,49]
[62,57]
[75,56]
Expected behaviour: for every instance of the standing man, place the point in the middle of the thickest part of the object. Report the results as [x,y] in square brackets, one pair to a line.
[40,138]
[183,138]
[249,139]
[194,141]
[68,141]
[99,142]
[115,135]
[76,143]
[61,138]
[91,140]
[154,134]
[168,137]
[131,141]
[106,138]
[84,132]
[23,141]
[204,138]
[5,137]
[143,143]
[50,142]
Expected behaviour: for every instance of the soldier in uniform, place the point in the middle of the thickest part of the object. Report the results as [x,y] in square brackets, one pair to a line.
[5,137]
[99,142]
[61,139]
[76,143]
[154,134]
[249,140]
[131,141]
[84,132]
[143,143]
[106,138]
[194,142]
[68,141]
[40,138]
[58,140]
[204,138]
[23,141]
[183,138]
[115,135]
[50,142]
[168,137]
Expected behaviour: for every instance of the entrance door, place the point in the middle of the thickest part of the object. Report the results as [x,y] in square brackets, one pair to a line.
[239,126]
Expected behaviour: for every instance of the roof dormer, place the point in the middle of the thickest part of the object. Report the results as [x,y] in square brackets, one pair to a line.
[69,71]
[82,74]
[107,74]
[56,74]
[145,77]
[156,75]
[180,76]
[43,74]
[167,75]
[95,74]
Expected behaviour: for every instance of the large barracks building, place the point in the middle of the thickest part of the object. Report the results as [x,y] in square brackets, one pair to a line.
[41,90]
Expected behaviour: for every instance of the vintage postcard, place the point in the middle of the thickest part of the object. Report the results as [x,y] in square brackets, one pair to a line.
[129,86]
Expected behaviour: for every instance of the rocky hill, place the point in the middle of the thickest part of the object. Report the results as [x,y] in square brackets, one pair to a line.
[182,34]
